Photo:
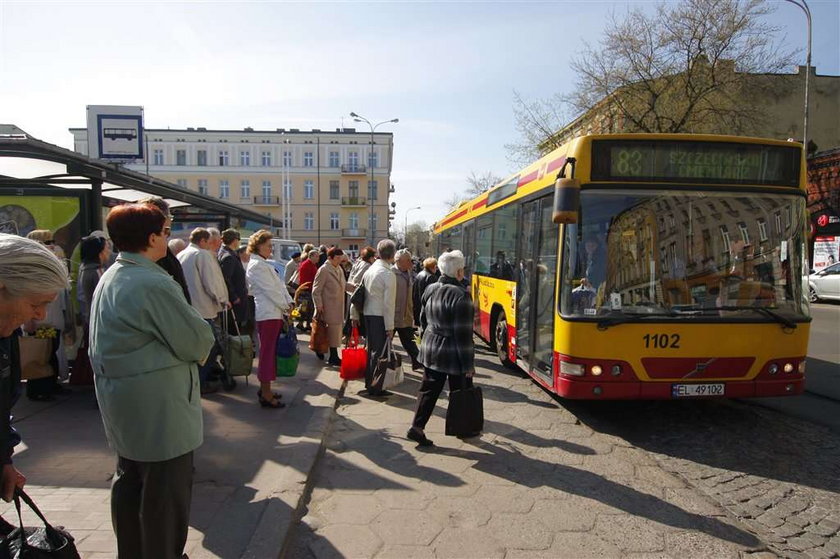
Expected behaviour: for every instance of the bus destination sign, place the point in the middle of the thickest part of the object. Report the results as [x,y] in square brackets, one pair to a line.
[690,162]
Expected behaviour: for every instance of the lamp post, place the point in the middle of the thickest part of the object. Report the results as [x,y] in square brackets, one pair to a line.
[405,229]
[803,5]
[359,118]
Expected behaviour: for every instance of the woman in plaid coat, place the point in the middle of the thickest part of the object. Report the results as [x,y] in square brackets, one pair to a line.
[447,350]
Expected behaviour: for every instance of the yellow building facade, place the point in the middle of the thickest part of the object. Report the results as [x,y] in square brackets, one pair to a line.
[319,187]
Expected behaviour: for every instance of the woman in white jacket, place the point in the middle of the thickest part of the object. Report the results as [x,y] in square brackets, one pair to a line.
[272,302]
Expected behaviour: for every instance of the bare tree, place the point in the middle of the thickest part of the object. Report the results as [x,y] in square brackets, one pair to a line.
[479,184]
[416,238]
[537,122]
[695,66]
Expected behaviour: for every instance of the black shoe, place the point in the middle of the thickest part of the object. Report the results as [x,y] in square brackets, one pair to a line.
[334,362]
[417,366]
[276,394]
[419,437]
[380,394]
[319,355]
[273,403]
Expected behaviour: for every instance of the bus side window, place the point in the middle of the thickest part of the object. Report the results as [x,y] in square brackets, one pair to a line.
[503,251]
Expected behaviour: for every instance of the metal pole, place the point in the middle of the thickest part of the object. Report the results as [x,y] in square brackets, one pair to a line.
[359,118]
[318,186]
[803,5]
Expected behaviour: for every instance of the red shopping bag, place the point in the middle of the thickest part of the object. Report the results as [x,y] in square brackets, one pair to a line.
[353,358]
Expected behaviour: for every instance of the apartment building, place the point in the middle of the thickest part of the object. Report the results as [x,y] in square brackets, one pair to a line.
[321,187]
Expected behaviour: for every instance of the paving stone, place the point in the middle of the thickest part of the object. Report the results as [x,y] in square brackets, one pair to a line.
[410,498]
[575,545]
[349,509]
[504,499]
[630,533]
[406,527]
[825,528]
[571,515]
[474,543]
[405,552]
[520,531]
[463,512]
[344,540]
[805,541]
[696,544]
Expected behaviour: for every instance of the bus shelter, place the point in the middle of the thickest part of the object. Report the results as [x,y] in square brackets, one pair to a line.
[44,186]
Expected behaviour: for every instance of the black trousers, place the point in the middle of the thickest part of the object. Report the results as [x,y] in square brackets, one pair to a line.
[430,390]
[407,340]
[150,507]
[375,332]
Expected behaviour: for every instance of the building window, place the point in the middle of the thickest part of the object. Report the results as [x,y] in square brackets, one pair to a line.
[181,157]
[287,159]
[745,233]
[333,190]
[224,158]
[266,159]
[245,158]
[224,190]
[334,159]
[308,221]
[373,223]
[353,249]
[308,189]
[308,159]
[353,160]
[245,189]
[287,189]
[334,221]
[266,190]
[201,156]
[372,190]
[762,230]
[372,159]
[202,186]
[158,157]
[182,183]
[354,189]
[724,235]
[778,217]
[353,221]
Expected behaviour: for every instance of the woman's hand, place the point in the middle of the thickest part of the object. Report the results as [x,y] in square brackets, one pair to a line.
[11,478]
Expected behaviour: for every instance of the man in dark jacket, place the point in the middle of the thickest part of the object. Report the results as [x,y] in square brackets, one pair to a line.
[30,279]
[234,274]
[169,262]
[424,279]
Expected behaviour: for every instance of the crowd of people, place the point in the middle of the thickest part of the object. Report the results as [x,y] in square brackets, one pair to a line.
[153,316]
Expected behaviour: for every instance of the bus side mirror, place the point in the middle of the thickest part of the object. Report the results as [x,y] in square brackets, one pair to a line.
[566,201]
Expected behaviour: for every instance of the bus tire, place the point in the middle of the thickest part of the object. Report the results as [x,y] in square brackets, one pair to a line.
[500,340]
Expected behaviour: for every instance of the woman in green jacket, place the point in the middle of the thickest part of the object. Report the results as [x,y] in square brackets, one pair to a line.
[146,343]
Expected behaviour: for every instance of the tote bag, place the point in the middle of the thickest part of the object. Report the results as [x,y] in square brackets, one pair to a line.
[37,543]
[353,358]
[320,340]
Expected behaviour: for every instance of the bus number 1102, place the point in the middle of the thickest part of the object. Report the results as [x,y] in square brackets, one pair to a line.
[662,341]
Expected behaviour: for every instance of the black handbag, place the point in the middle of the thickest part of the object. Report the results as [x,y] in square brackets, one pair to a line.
[37,543]
[357,299]
[465,415]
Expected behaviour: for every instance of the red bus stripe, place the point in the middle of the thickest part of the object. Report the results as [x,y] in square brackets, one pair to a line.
[556,164]
[532,176]
[480,204]
[454,217]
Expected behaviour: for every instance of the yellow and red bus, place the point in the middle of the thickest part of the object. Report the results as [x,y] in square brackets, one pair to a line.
[678,273]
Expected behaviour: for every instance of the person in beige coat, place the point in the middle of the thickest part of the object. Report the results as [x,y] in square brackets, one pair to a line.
[328,295]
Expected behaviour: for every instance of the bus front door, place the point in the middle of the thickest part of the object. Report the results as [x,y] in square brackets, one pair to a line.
[536,277]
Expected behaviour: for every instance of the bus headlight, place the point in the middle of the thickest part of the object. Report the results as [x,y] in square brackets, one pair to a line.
[802,367]
[616,370]
[788,367]
[596,370]
[572,369]
[773,369]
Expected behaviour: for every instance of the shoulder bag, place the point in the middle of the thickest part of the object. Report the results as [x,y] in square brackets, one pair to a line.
[37,543]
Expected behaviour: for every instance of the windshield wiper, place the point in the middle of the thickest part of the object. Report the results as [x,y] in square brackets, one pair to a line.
[786,322]
[625,317]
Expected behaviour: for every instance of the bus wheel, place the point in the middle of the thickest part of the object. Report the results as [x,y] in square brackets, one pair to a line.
[500,337]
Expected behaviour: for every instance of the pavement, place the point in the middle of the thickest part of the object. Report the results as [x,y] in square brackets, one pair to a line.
[250,476]
[332,475]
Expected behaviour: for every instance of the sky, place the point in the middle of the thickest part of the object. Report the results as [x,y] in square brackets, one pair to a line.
[447,70]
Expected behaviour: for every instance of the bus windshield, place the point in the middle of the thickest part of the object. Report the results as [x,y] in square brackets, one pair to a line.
[676,254]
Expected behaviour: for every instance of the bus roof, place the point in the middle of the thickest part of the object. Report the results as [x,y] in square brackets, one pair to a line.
[543,172]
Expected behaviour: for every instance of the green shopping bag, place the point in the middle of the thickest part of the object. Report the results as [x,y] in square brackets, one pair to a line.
[287,366]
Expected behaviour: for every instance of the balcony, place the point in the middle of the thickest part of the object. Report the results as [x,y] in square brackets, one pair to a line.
[353,201]
[353,169]
[267,200]
[353,233]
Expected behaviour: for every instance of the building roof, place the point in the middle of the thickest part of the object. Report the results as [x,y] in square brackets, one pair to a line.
[26,161]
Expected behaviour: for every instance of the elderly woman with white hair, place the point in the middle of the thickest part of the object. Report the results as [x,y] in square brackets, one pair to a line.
[447,351]
[31,277]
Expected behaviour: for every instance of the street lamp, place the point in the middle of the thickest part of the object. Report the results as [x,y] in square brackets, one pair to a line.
[803,5]
[405,229]
[359,118]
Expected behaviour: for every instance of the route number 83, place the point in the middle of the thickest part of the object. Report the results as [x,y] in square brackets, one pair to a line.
[629,163]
